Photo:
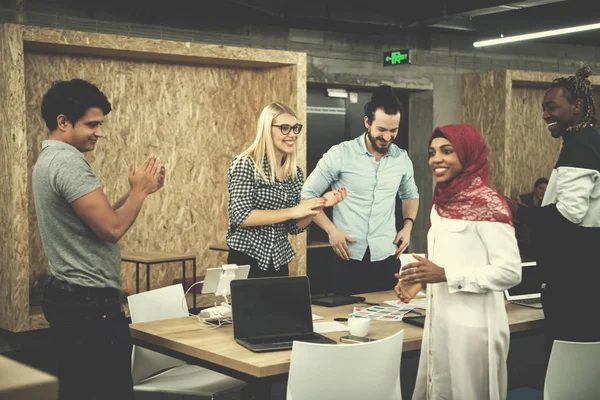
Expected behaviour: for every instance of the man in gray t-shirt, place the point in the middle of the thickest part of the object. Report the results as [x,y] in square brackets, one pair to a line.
[80,230]
[75,254]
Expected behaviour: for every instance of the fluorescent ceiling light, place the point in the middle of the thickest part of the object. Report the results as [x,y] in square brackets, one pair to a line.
[537,35]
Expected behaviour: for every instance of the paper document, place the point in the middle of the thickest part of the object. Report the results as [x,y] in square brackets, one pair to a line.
[379,313]
[407,306]
[315,317]
[326,327]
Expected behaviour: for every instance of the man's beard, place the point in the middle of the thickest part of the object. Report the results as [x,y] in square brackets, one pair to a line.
[380,150]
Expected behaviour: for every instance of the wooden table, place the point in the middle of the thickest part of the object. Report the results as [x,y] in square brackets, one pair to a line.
[19,381]
[310,245]
[157,257]
[183,338]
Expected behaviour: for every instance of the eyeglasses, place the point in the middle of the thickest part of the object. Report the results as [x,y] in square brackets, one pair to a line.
[287,129]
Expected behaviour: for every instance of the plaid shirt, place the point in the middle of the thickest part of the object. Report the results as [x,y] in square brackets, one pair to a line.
[248,192]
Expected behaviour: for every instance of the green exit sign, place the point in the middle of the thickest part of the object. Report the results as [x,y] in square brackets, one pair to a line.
[396,57]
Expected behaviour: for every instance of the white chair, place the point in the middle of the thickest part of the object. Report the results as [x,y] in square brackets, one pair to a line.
[346,371]
[573,371]
[155,372]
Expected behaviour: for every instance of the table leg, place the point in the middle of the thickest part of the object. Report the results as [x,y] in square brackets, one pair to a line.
[137,277]
[147,277]
[194,272]
[183,275]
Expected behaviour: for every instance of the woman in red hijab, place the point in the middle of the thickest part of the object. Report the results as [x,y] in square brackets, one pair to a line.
[472,258]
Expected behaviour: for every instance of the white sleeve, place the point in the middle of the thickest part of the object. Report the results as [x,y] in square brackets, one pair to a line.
[574,187]
[504,268]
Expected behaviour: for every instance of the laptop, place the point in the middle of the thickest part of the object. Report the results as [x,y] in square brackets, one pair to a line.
[334,300]
[528,292]
[270,313]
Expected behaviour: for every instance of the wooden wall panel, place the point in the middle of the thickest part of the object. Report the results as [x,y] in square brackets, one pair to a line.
[299,78]
[195,118]
[531,150]
[506,107]
[543,79]
[484,106]
[14,254]
[99,44]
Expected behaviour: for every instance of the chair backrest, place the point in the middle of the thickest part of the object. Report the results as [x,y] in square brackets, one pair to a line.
[573,371]
[346,371]
[154,305]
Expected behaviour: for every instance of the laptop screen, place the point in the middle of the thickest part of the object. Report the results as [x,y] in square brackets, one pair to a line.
[271,306]
[531,282]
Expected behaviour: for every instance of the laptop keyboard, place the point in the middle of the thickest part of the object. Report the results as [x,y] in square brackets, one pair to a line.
[281,339]
[528,301]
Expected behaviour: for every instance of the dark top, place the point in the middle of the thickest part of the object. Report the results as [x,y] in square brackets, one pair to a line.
[567,225]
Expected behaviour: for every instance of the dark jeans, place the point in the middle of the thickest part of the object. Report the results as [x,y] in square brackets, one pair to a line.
[239,258]
[569,317]
[90,336]
[365,276]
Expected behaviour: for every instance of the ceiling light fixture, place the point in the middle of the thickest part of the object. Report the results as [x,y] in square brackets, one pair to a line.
[537,35]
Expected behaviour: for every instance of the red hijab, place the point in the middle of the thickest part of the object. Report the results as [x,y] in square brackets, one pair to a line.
[469,196]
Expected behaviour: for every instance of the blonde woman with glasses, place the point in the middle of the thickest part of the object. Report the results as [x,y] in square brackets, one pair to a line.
[264,184]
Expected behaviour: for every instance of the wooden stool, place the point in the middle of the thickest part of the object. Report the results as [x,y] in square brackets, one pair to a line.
[156,257]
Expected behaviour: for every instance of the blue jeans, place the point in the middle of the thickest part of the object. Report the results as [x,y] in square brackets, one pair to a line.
[90,336]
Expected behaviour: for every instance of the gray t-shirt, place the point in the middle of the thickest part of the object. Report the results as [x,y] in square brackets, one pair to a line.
[75,253]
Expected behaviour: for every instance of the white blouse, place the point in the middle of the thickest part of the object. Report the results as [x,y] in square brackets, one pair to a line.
[466,336]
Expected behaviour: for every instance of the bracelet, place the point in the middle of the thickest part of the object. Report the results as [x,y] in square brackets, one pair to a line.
[408,219]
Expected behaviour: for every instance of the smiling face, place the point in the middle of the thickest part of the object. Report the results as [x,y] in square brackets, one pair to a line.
[443,160]
[86,131]
[284,144]
[558,113]
[382,132]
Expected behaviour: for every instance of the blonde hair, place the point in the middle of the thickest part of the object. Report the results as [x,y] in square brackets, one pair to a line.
[263,145]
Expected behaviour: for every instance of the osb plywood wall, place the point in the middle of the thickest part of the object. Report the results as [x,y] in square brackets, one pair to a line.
[14,304]
[531,151]
[195,118]
[485,107]
[506,106]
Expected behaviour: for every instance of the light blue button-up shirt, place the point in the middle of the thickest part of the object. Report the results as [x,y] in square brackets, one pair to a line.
[367,214]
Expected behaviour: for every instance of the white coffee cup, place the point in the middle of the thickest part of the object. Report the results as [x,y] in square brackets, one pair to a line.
[359,326]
